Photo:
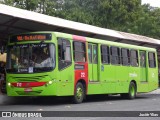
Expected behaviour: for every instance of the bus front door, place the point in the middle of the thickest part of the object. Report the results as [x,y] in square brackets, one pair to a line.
[143,69]
[93,62]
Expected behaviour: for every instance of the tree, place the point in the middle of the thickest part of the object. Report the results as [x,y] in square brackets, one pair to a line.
[123,15]
[148,23]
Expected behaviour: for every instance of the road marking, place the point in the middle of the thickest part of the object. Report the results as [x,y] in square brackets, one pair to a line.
[67,106]
[154,99]
[109,103]
[89,119]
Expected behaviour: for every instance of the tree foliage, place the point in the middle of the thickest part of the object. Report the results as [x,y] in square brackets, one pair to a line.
[123,15]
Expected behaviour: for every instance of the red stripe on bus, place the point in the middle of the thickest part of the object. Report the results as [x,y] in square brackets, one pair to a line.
[27,84]
[80,38]
[81,74]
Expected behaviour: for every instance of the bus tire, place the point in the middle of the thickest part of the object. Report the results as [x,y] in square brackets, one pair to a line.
[79,93]
[131,93]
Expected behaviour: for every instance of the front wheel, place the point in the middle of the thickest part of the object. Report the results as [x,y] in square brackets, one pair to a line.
[79,93]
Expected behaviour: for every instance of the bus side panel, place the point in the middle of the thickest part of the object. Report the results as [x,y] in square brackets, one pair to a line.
[122,79]
[106,82]
[65,85]
[81,75]
[153,76]
[153,79]
[108,77]
[134,74]
[65,77]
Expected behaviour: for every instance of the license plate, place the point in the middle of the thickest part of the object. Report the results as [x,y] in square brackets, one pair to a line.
[27,89]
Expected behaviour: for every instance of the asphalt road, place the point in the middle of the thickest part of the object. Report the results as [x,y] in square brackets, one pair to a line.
[143,102]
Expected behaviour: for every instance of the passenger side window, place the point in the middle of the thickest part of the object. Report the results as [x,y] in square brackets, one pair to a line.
[79,51]
[125,57]
[105,58]
[64,53]
[152,61]
[142,59]
[134,58]
[115,55]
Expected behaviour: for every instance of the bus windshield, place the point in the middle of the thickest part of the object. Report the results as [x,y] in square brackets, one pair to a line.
[31,58]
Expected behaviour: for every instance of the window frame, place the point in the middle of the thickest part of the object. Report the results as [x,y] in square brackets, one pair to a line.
[82,52]
[142,61]
[128,57]
[117,56]
[107,54]
[64,63]
[154,60]
[137,58]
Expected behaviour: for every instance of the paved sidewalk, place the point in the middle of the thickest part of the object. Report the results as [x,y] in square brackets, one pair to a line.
[155,92]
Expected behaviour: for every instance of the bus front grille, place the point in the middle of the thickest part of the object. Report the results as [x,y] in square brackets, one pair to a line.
[29,93]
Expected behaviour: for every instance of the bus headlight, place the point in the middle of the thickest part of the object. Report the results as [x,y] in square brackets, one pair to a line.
[9,84]
[49,82]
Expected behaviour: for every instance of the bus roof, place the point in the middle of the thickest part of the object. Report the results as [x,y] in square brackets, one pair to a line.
[95,40]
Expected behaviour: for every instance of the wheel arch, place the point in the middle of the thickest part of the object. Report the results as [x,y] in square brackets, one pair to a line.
[83,83]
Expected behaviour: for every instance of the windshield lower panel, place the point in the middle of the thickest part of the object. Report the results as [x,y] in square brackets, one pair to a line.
[31,58]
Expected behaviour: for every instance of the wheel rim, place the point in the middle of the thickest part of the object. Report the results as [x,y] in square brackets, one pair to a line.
[132,91]
[79,93]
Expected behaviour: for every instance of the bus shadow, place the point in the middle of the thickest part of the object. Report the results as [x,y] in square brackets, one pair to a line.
[34,100]
[99,98]
[5,100]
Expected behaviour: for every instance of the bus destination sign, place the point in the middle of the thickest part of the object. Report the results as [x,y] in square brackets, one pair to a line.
[31,37]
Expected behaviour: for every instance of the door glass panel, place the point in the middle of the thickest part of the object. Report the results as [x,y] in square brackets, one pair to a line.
[90,53]
[93,60]
[95,57]
[143,69]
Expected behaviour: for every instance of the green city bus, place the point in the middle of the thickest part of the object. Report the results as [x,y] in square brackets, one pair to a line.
[60,64]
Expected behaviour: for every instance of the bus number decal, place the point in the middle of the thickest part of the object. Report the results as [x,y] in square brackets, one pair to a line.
[133,74]
[19,84]
[82,74]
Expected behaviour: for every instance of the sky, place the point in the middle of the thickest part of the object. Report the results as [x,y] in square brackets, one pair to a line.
[154,3]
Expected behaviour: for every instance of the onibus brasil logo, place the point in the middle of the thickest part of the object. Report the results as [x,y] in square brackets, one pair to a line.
[21,114]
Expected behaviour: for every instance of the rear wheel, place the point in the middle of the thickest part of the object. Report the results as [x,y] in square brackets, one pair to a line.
[132,92]
[79,93]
